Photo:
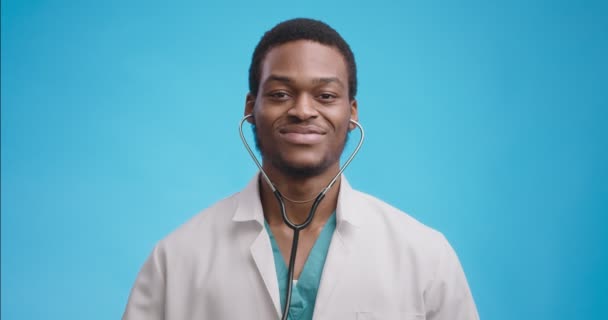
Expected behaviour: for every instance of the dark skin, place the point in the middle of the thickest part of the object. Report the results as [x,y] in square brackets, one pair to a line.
[302,114]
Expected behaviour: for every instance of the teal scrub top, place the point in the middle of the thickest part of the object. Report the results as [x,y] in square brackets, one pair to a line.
[304,292]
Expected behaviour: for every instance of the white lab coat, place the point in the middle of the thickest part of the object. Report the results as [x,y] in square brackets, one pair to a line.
[381,264]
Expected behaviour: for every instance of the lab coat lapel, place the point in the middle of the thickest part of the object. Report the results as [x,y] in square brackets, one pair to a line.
[250,209]
[261,251]
[341,248]
[337,259]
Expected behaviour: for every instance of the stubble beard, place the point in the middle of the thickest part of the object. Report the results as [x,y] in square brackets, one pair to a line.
[294,171]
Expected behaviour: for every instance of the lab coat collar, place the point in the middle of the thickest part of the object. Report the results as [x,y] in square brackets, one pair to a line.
[250,207]
[347,209]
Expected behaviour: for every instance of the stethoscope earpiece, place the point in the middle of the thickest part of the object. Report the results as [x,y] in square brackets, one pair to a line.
[249,118]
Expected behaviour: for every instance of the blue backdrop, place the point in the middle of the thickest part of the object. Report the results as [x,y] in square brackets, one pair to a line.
[485,120]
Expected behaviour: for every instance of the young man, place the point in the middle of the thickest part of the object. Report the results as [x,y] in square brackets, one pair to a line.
[358,259]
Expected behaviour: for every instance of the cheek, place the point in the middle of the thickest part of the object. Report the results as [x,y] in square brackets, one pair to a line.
[343,125]
[260,121]
[265,115]
[263,129]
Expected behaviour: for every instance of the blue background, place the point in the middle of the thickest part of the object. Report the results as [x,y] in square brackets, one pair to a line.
[485,120]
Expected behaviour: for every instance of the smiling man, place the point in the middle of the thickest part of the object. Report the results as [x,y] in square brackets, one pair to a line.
[359,258]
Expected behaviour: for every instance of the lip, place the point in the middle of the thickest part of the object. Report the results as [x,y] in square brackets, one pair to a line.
[302,134]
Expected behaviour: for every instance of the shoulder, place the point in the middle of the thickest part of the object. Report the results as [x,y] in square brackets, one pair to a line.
[389,234]
[203,228]
[386,221]
[379,210]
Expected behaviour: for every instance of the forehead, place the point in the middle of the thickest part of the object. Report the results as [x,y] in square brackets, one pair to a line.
[304,59]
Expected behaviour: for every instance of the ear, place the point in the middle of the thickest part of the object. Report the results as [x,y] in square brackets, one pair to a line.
[354,114]
[249,104]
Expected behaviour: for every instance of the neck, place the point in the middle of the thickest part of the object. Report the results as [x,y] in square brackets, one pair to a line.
[299,189]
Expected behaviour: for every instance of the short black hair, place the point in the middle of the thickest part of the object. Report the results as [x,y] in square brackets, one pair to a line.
[301,29]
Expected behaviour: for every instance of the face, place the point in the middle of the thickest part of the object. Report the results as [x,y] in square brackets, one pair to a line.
[302,111]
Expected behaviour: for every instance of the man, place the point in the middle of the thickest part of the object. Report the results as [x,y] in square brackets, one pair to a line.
[358,259]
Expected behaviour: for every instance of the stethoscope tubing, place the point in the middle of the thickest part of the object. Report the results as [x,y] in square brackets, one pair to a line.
[313,209]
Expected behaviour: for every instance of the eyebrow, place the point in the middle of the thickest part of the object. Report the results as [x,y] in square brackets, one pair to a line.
[324,80]
[328,80]
[274,77]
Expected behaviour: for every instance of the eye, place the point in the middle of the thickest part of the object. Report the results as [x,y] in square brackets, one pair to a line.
[278,95]
[327,97]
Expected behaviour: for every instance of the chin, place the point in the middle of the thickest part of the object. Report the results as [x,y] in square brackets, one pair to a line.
[299,168]
[303,172]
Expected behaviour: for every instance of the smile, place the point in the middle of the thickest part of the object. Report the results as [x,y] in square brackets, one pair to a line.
[302,134]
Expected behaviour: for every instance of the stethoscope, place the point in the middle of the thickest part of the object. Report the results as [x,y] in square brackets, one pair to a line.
[294,226]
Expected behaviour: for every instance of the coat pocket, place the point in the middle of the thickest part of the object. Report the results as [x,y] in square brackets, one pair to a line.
[382,315]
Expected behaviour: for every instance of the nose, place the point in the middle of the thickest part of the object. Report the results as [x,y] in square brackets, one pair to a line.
[303,108]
